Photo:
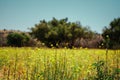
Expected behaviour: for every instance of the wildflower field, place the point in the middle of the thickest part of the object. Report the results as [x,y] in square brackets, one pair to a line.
[59,64]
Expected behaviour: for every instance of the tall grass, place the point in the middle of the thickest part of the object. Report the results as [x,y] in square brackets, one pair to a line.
[59,64]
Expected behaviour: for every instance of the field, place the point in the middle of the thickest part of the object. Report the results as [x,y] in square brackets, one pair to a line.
[59,64]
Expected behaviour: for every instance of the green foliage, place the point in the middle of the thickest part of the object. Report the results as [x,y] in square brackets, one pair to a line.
[102,73]
[17,39]
[59,32]
[99,66]
[113,32]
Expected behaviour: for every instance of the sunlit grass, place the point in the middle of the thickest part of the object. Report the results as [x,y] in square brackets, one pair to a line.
[54,64]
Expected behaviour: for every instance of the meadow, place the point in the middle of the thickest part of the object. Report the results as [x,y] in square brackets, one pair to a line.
[59,64]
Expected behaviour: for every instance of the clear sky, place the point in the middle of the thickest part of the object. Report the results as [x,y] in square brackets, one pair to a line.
[24,14]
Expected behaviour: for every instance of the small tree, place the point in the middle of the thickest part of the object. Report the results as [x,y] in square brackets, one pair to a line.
[17,39]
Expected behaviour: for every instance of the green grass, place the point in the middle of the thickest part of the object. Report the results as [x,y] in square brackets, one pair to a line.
[59,64]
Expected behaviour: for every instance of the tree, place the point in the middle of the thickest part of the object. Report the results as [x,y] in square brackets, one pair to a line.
[60,32]
[112,34]
[17,39]
[40,31]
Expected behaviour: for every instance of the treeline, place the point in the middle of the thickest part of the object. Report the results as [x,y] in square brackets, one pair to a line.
[61,33]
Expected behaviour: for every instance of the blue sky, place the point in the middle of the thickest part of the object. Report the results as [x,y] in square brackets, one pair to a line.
[24,14]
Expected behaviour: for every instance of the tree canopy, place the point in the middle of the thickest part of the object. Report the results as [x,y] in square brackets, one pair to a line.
[60,32]
[112,34]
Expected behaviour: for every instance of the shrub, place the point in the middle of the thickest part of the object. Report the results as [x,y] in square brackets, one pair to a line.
[17,39]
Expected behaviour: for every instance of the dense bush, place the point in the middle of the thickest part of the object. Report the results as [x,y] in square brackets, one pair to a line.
[17,39]
[112,34]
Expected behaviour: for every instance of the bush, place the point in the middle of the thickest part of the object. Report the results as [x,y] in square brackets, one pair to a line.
[17,39]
